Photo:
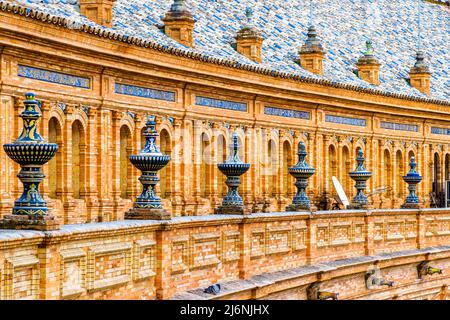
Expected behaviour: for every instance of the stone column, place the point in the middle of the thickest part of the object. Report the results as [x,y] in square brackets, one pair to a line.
[176,196]
[197,161]
[326,172]
[66,158]
[8,175]
[91,187]
[248,180]
[115,163]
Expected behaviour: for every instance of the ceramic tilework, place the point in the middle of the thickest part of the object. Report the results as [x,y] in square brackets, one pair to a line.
[399,126]
[391,24]
[345,120]
[280,112]
[54,77]
[221,104]
[143,92]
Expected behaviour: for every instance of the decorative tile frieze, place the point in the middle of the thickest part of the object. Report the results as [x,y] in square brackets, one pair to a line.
[53,77]
[287,113]
[221,104]
[399,126]
[442,131]
[143,92]
[345,120]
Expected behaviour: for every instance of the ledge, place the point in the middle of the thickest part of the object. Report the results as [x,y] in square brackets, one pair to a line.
[269,281]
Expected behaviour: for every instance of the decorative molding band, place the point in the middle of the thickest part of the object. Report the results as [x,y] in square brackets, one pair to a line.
[345,120]
[287,113]
[399,126]
[436,130]
[221,104]
[53,77]
[142,92]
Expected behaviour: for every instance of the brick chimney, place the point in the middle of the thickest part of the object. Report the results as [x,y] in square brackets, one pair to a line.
[420,75]
[368,66]
[249,40]
[311,54]
[98,11]
[179,23]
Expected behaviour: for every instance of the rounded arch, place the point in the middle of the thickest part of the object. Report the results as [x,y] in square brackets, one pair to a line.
[447,167]
[206,163]
[436,174]
[78,158]
[272,166]
[221,156]
[126,148]
[400,172]
[332,165]
[55,164]
[386,165]
[288,161]
[165,174]
[128,122]
[347,166]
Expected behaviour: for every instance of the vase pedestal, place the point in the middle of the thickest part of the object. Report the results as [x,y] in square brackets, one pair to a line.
[412,206]
[233,210]
[27,222]
[147,214]
[299,207]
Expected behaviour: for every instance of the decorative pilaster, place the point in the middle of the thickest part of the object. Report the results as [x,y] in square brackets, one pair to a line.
[360,175]
[233,168]
[301,172]
[149,161]
[412,179]
[31,152]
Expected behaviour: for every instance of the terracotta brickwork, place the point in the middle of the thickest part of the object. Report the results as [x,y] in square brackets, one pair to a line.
[154,260]
[96,110]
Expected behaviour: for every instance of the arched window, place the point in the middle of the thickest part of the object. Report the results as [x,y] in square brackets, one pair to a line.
[55,164]
[125,164]
[78,158]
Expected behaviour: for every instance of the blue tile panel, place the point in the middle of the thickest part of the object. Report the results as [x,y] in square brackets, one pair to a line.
[53,77]
[221,104]
[345,120]
[399,126]
[288,113]
[143,92]
[342,25]
[436,130]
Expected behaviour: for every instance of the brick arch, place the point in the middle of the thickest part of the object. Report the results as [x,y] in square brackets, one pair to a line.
[81,116]
[56,112]
[128,121]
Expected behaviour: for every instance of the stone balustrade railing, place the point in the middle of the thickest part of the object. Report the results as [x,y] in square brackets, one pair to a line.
[163,259]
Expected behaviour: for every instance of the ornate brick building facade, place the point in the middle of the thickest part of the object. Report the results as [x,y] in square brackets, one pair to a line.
[205,74]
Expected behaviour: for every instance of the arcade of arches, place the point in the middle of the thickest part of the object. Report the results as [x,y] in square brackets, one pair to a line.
[88,183]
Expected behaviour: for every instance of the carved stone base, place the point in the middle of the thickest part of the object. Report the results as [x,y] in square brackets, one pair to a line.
[147,214]
[357,206]
[299,207]
[25,222]
[412,206]
[233,210]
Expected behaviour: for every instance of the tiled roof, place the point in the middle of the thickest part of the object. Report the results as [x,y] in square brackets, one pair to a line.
[343,26]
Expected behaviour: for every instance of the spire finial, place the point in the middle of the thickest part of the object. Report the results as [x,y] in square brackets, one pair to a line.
[249,15]
[178,6]
[369,48]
